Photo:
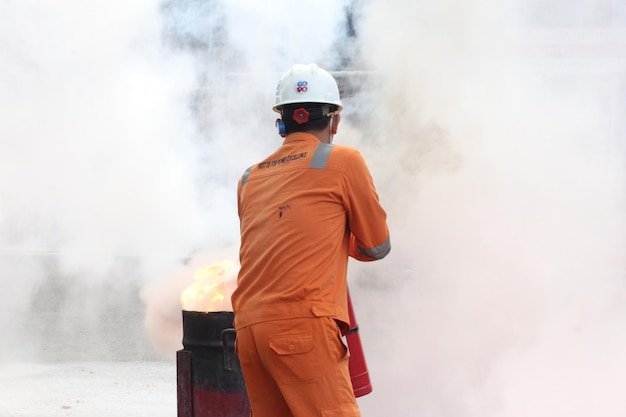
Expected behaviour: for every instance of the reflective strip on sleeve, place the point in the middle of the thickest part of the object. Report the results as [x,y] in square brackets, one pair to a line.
[379,252]
[322,152]
[245,175]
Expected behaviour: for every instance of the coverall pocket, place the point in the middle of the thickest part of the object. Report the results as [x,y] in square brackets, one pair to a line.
[292,345]
[294,361]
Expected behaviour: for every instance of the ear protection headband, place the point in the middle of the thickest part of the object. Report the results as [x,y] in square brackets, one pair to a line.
[301,115]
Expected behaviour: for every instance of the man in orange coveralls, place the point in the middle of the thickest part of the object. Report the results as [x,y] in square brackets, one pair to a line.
[303,210]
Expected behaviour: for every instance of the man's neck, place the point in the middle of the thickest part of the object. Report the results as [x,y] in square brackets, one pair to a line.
[323,135]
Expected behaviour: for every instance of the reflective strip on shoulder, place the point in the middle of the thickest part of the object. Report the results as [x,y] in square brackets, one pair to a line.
[245,175]
[379,252]
[320,157]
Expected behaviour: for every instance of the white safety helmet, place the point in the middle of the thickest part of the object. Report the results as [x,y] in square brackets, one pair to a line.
[307,84]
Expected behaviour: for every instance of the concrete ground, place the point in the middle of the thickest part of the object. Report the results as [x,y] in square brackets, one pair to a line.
[88,389]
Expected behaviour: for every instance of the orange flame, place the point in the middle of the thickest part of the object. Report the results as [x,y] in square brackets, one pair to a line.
[206,294]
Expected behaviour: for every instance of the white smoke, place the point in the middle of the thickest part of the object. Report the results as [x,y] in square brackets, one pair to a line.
[492,130]
[501,171]
[99,166]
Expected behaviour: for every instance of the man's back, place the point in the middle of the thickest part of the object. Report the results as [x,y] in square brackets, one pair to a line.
[297,209]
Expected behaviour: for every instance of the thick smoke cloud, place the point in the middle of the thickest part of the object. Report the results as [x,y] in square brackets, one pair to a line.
[97,135]
[492,130]
[99,187]
[503,177]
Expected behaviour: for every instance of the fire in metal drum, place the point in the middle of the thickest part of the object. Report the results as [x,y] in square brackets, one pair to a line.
[210,382]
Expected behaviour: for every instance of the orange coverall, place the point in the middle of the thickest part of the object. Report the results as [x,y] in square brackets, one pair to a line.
[303,211]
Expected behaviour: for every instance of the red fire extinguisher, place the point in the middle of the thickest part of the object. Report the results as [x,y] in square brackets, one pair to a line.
[359,374]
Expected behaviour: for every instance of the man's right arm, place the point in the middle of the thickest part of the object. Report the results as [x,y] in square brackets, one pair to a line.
[369,240]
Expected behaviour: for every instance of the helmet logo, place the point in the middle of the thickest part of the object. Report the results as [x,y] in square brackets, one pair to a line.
[301,116]
[302,86]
